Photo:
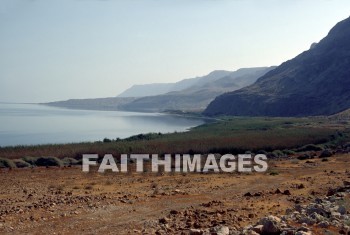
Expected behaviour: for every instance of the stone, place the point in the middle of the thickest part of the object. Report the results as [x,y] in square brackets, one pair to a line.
[287,192]
[323,224]
[220,230]
[258,228]
[342,210]
[163,220]
[303,233]
[335,214]
[195,232]
[271,225]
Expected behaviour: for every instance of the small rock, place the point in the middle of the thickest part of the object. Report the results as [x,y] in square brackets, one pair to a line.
[195,232]
[278,191]
[163,220]
[335,214]
[323,224]
[342,210]
[258,229]
[220,230]
[287,192]
[303,233]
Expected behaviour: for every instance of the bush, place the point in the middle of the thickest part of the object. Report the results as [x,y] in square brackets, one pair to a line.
[310,147]
[288,152]
[305,157]
[272,155]
[7,163]
[30,160]
[67,161]
[106,140]
[274,173]
[21,163]
[48,161]
[261,152]
[278,153]
[326,153]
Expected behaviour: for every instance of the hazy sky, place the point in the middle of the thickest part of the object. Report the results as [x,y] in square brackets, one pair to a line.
[55,50]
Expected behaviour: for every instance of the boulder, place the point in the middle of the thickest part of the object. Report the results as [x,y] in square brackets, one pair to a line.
[271,225]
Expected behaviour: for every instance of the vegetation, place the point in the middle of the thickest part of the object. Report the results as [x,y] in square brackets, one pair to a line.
[309,147]
[21,163]
[67,161]
[30,160]
[7,163]
[48,161]
[229,135]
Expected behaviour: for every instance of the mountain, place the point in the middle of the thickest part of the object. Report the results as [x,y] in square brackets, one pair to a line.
[147,90]
[316,82]
[200,94]
[342,116]
[192,94]
[162,88]
[112,103]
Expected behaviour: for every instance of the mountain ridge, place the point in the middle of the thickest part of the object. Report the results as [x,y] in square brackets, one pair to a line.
[196,95]
[316,82]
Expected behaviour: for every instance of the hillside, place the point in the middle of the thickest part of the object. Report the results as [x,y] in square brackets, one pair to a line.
[162,88]
[316,82]
[192,94]
[112,103]
[198,96]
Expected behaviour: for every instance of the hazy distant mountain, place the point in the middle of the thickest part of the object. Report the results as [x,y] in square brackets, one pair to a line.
[112,103]
[162,88]
[200,94]
[316,82]
[192,94]
[147,90]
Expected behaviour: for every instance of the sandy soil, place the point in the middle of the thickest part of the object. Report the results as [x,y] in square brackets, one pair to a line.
[68,201]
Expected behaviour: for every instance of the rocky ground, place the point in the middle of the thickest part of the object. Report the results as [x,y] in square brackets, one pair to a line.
[294,197]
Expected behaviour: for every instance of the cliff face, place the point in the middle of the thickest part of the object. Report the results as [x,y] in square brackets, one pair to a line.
[316,82]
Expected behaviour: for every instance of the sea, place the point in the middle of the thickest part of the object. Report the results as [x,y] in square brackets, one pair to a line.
[33,124]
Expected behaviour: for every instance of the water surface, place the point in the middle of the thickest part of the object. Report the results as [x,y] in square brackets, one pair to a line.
[28,124]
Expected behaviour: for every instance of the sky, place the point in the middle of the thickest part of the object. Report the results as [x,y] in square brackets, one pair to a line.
[60,49]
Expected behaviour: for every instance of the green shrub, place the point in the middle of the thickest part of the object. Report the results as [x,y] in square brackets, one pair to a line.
[289,152]
[272,155]
[326,153]
[310,147]
[106,140]
[67,161]
[274,173]
[305,157]
[278,153]
[7,163]
[48,161]
[21,163]
[261,152]
[30,160]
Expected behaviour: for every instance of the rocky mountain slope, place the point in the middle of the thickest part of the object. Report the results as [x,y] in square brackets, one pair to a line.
[316,82]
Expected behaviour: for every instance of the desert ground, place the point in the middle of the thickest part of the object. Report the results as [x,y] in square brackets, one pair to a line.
[64,200]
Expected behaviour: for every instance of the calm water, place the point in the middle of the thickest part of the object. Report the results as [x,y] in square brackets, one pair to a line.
[27,124]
